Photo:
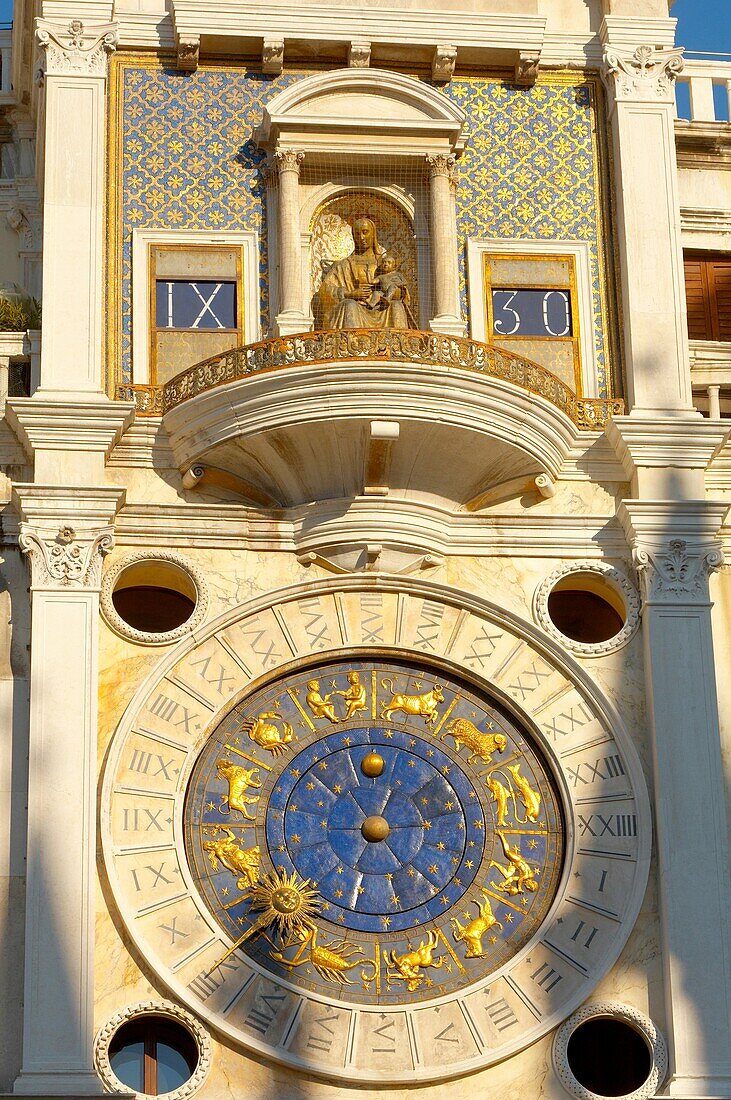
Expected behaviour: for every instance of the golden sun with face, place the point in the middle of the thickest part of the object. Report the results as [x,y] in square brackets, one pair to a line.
[287,901]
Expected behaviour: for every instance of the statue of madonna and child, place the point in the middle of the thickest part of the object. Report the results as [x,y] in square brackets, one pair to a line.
[366,289]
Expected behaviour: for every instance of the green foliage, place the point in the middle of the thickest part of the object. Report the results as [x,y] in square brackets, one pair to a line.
[18,316]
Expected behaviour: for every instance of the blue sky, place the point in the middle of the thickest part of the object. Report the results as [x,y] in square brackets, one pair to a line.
[703,24]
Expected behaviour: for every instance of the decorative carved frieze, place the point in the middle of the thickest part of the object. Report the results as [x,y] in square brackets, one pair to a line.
[66,560]
[288,160]
[76,48]
[443,63]
[647,74]
[676,572]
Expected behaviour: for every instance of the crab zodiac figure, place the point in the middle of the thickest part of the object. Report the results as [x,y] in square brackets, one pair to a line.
[263,732]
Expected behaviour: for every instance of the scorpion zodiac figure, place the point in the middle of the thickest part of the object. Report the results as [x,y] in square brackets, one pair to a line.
[408,967]
[518,876]
[263,732]
[332,960]
[239,780]
[472,933]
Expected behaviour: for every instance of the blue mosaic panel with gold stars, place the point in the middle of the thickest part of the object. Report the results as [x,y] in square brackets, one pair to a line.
[188,160]
[419,814]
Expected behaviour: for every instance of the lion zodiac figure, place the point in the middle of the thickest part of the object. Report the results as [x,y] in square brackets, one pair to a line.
[481,745]
[263,732]
[239,780]
[423,706]
[472,933]
[240,861]
[408,967]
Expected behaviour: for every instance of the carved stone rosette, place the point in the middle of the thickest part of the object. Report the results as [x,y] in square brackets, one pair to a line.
[76,48]
[66,561]
[647,74]
[676,572]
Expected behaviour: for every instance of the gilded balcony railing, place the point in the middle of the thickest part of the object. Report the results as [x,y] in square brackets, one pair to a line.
[375,346]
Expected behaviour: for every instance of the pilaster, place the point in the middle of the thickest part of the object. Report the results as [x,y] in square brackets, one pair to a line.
[65,532]
[74,73]
[676,548]
[640,81]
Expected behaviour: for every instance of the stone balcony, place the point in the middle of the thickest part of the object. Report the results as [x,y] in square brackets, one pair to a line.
[418,417]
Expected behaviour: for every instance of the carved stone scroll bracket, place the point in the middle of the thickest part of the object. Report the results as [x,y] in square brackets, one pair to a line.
[65,560]
[648,74]
[677,572]
[188,51]
[526,69]
[272,56]
[75,48]
[443,63]
[381,438]
[359,54]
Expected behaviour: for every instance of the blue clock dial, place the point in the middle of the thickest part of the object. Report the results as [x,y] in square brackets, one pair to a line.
[415,820]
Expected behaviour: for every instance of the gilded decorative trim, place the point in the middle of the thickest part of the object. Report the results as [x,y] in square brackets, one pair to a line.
[394,346]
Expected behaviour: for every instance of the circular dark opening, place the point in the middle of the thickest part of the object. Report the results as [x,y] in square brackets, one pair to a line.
[609,1057]
[153,1055]
[583,616]
[151,609]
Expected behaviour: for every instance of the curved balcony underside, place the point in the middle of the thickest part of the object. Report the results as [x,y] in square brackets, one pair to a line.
[301,419]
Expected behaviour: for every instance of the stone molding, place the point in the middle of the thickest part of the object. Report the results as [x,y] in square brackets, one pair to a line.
[76,48]
[654,442]
[612,576]
[153,1008]
[66,560]
[142,637]
[614,1010]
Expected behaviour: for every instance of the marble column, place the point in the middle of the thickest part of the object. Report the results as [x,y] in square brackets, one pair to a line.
[676,547]
[74,76]
[443,246]
[291,317]
[640,82]
[65,535]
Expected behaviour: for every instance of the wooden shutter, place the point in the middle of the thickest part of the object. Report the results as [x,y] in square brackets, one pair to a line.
[708,294]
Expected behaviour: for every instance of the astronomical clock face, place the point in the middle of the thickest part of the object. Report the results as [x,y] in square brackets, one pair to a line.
[374,860]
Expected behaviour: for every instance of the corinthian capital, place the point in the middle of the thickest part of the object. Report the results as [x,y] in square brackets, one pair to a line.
[65,560]
[288,160]
[75,47]
[676,572]
[440,164]
[647,74]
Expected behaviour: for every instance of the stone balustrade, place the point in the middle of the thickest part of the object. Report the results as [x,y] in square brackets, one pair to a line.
[5,62]
[702,78]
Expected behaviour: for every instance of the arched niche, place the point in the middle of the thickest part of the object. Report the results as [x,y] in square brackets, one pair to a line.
[373,132]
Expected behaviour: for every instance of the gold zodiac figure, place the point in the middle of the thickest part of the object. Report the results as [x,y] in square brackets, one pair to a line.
[501,795]
[240,861]
[320,705]
[473,932]
[332,960]
[531,799]
[263,732]
[239,780]
[481,745]
[424,706]
[407,967]
[518,868]
[355,696]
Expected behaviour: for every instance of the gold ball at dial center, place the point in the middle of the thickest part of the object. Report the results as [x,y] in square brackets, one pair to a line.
[375,828]
[372,764]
